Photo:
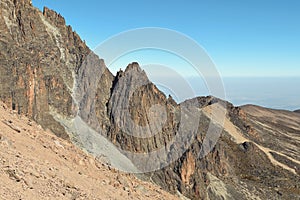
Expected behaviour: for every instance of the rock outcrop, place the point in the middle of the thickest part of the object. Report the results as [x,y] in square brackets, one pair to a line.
[51,76]
[39,58]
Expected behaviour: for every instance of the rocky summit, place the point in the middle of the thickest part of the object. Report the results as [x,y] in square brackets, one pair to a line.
[49,75]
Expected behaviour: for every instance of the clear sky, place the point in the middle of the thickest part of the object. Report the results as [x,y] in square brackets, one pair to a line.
[244,38]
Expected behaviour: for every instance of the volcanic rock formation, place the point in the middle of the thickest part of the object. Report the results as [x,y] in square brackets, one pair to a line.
[204,148]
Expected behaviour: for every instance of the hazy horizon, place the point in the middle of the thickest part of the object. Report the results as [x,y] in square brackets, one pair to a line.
[260,91]
[263,91]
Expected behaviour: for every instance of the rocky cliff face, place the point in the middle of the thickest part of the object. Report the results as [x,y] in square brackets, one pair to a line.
[39,58]
[256,157]
[50,75]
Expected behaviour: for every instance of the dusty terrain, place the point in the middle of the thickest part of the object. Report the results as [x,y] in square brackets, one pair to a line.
[35,164]
[278,130]
[287,118]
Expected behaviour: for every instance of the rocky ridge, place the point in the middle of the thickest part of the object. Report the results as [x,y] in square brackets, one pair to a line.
[50,75]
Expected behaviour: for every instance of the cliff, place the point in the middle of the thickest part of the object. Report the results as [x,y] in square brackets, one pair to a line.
[51,76]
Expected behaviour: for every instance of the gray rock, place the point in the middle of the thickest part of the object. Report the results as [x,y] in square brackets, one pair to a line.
[49,74]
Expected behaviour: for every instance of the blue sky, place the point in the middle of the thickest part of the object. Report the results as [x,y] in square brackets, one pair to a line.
[244,38]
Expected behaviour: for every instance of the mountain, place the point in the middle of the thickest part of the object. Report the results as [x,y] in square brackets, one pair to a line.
[36,164]
[39,57]
[256,157]
[203,148]
[297,111]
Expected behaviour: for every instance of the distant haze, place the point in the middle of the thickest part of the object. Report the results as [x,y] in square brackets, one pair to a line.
[281,92]
[272,92]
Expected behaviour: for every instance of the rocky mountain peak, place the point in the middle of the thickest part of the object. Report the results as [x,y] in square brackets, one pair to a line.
[130,80]
[132,73]
[39,59]
[134,70]
[54,17]
[171,100]
[48,74]
[125,85]
[133,66]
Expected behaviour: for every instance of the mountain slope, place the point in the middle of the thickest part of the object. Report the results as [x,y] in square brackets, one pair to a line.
[278,131]
[50,75]
[41,60]
[36,164]
[248,161]
[36,69]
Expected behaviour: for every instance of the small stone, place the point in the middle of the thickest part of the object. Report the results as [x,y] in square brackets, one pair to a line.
[4,106]
[29,123]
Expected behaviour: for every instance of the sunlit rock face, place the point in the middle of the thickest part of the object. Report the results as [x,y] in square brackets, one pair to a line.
[49,74]
[39,58]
